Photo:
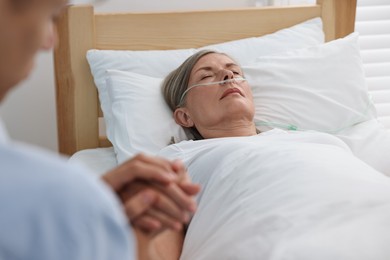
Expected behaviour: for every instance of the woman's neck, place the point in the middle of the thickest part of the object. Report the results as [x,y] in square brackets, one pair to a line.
[229,130]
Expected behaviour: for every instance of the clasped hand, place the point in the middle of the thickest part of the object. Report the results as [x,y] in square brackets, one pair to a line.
[157,194]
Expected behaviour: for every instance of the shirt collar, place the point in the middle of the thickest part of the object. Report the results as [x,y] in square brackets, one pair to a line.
[3,133]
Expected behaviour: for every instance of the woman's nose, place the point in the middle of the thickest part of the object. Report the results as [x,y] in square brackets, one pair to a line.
[227,74]
[49,37]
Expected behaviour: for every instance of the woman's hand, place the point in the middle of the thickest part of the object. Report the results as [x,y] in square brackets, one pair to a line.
[172,204]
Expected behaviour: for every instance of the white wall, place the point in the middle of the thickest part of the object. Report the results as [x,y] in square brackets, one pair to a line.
[29,111]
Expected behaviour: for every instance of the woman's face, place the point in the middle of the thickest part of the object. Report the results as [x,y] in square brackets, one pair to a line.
[25,28]
[217,105]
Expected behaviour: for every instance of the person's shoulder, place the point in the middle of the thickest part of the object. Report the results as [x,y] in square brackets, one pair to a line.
[17,157]
[33,169]
[45,169]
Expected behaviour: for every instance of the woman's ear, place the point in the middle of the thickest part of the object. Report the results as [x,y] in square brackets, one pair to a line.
[182,117]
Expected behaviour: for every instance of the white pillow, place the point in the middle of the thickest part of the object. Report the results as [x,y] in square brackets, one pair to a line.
[160,63]
[318,88]
[245,51]
[150,63]
[142,121]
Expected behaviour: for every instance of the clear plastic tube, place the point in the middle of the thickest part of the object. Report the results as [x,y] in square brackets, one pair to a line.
[222,82]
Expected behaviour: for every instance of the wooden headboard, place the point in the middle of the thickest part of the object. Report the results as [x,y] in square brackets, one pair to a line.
[80,29]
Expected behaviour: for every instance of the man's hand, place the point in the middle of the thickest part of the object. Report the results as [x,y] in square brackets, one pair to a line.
[156,193]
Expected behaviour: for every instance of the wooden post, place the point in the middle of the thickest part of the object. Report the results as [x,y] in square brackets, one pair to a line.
[344,12]
[76,130]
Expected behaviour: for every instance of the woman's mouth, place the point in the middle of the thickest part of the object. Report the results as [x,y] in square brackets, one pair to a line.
[230,91]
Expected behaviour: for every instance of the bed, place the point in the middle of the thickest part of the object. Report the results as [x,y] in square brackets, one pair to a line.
[80,121]
[80,29]
[111,65]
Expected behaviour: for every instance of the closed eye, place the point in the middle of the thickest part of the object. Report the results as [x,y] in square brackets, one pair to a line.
[205,77]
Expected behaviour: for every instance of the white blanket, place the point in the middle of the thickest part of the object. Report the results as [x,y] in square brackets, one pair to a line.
[284,195]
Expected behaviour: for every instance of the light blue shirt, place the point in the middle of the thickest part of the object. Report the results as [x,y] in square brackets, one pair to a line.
[51,210]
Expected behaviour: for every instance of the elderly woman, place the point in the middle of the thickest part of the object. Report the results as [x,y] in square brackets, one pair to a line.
[209,111]
[272,195]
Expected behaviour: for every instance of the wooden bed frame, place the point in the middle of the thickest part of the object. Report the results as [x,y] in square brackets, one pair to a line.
[80,29]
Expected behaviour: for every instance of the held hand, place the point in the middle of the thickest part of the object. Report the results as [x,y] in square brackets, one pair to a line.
[170,207]
[163,212]
[157,194]
[184,179]
[140,167]
[143,211]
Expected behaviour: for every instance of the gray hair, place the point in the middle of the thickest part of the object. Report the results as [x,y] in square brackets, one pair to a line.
[176,83]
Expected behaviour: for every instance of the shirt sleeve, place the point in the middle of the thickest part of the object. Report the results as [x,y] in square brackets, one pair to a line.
[53,210]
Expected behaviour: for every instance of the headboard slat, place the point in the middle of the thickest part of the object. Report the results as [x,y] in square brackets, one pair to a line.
[77,101]
[139,31]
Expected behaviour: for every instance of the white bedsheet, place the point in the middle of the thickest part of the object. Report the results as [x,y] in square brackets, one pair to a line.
[98,160]
[369,141]
[278,195]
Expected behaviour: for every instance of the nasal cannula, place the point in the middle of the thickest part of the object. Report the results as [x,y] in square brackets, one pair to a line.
[222,82]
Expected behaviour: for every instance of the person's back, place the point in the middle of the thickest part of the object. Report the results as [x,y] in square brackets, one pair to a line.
[53,210]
